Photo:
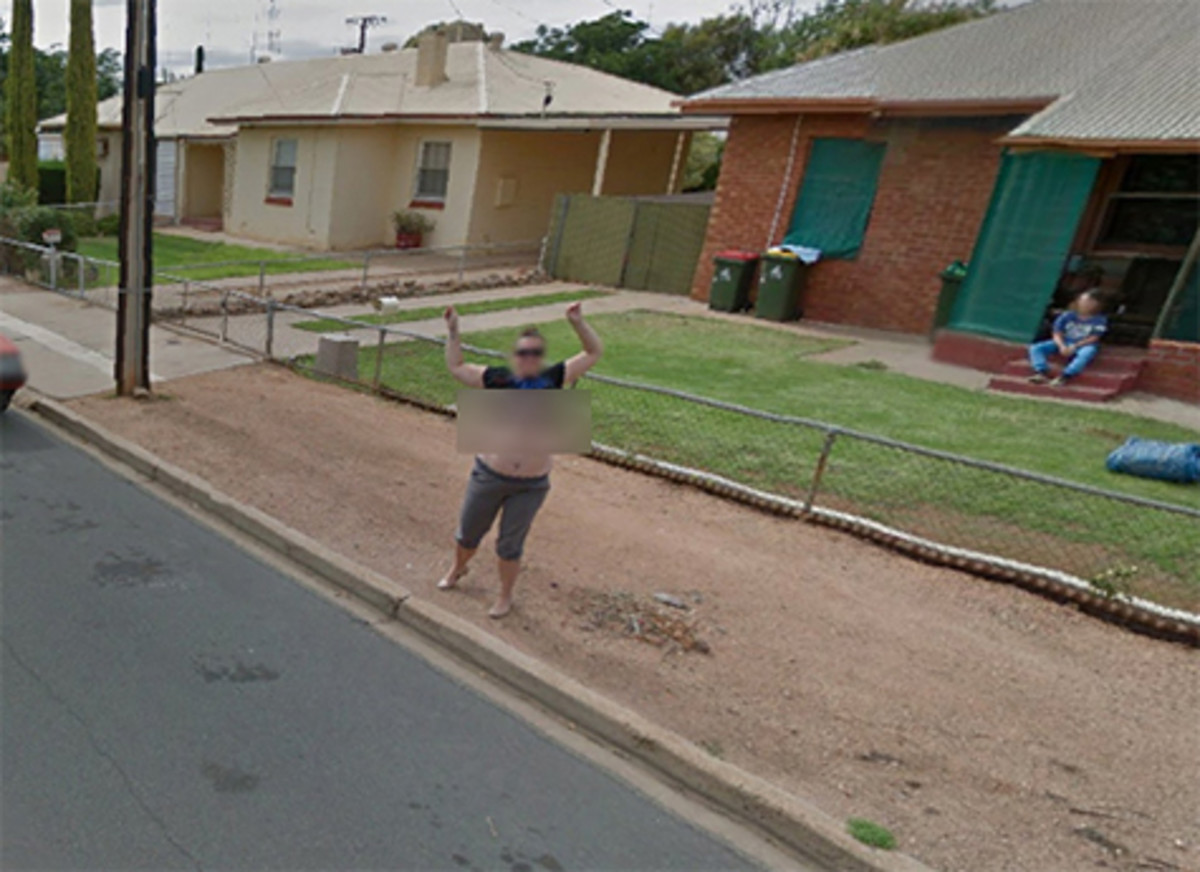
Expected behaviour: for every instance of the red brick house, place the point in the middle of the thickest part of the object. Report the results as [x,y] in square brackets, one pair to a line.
[1037,142]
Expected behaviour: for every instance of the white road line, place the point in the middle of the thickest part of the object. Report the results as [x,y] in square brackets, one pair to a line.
[60,344]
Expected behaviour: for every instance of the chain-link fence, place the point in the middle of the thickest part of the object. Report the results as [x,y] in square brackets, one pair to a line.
[196,289]
[1109,551]
[957,510]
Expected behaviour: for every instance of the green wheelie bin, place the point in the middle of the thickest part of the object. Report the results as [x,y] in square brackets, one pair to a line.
[733,275]
[780,283]
[952,280]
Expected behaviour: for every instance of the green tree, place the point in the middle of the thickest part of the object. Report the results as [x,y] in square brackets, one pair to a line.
[79,137]
[613,44]
[109,70]
[20,103]
[841,25]
[758,36]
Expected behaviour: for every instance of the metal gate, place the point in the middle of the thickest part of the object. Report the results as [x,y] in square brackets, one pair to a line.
[627,242]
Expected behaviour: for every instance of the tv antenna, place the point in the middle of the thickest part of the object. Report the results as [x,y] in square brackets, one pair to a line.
[365,23]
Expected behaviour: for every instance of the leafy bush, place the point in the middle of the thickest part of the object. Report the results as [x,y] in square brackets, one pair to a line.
[109,225]
[33,222]
[83,220]
[52,182]
[14,197]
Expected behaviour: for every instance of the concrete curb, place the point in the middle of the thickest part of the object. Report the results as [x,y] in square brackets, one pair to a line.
[795,823]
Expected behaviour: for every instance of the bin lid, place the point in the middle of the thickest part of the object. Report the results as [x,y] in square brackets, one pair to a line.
[734,254]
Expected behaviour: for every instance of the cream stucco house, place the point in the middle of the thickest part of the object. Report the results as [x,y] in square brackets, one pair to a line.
[320,153]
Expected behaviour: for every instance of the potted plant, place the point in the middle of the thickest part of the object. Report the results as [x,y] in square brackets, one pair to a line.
[411,228]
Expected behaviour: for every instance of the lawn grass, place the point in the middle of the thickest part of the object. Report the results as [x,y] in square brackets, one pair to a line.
[771,370]
[188,257]
[767,369]
[329,325]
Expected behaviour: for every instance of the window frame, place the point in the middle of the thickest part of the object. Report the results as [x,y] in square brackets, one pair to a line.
[424,199]
[1107,196]
[276,195]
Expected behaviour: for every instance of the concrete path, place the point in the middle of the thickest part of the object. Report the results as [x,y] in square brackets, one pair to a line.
[170,702]
[68,347]
[250,330]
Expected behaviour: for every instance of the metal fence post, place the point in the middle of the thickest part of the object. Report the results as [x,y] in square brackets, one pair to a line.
[270,347]
[377,380]
[187,283]
[462,263]
[262,278]
[224,316]
[366,269]
[82,265]
[53,268]
[819,472]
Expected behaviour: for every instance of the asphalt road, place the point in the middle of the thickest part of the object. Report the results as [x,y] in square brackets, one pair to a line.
[170,702]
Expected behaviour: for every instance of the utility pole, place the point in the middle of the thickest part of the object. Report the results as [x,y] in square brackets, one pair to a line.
[365,23]
[137,200]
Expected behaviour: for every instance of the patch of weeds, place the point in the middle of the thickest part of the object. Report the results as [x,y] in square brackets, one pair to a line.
[1114,580]
[714,747]
[871,833]
[872,365]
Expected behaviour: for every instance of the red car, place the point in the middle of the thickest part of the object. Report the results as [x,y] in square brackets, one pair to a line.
[12,374]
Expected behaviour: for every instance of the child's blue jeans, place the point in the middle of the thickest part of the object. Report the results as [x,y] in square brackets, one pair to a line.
[1039,357]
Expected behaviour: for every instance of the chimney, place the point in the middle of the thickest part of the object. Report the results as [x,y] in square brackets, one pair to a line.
[389,47]
[431,59]
[199,59]
[496,41]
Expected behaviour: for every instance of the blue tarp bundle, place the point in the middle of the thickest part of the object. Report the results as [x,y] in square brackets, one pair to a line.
[1165,461]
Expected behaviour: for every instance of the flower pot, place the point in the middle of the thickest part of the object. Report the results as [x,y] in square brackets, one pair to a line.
[408,240]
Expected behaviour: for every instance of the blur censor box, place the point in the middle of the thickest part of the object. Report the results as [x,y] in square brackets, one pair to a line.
[524,422]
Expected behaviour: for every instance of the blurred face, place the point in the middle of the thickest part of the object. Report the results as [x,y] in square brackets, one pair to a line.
[1089,306]
[528,356]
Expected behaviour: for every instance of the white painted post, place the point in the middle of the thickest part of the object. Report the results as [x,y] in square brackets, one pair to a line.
[680,139]
[601,162]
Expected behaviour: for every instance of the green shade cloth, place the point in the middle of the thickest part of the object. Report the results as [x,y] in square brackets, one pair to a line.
[1183,322]
[836,195]
[1019,256]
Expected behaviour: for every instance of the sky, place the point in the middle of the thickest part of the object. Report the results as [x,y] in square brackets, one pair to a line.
[316,28]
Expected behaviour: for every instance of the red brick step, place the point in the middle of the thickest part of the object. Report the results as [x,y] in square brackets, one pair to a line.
[1075,390]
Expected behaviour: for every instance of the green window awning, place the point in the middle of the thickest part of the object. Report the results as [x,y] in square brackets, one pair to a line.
[836,195]
[1026,237]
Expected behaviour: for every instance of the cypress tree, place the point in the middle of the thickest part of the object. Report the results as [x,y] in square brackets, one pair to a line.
[80,136]
[20,99]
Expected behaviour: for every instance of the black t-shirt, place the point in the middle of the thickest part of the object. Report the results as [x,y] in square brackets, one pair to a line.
[502,378]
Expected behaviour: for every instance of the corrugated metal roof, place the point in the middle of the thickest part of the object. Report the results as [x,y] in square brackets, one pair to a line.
[1111,69]
[481,82]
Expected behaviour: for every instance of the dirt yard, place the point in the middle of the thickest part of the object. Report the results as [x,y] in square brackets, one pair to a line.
[989,729]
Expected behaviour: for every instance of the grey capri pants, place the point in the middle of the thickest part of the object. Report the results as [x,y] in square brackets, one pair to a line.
[488,493]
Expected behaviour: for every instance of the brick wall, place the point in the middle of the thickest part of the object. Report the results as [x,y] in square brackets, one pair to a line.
[934,188]
[1172,370]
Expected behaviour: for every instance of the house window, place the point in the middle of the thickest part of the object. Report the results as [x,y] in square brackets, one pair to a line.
[1155,207]
[433,173]
[283,170]
[836,196]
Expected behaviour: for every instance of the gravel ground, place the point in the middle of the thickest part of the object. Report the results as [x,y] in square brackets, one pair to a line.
[989,729]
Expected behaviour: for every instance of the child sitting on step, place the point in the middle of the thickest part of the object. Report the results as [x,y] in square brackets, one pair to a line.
[1076,338]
